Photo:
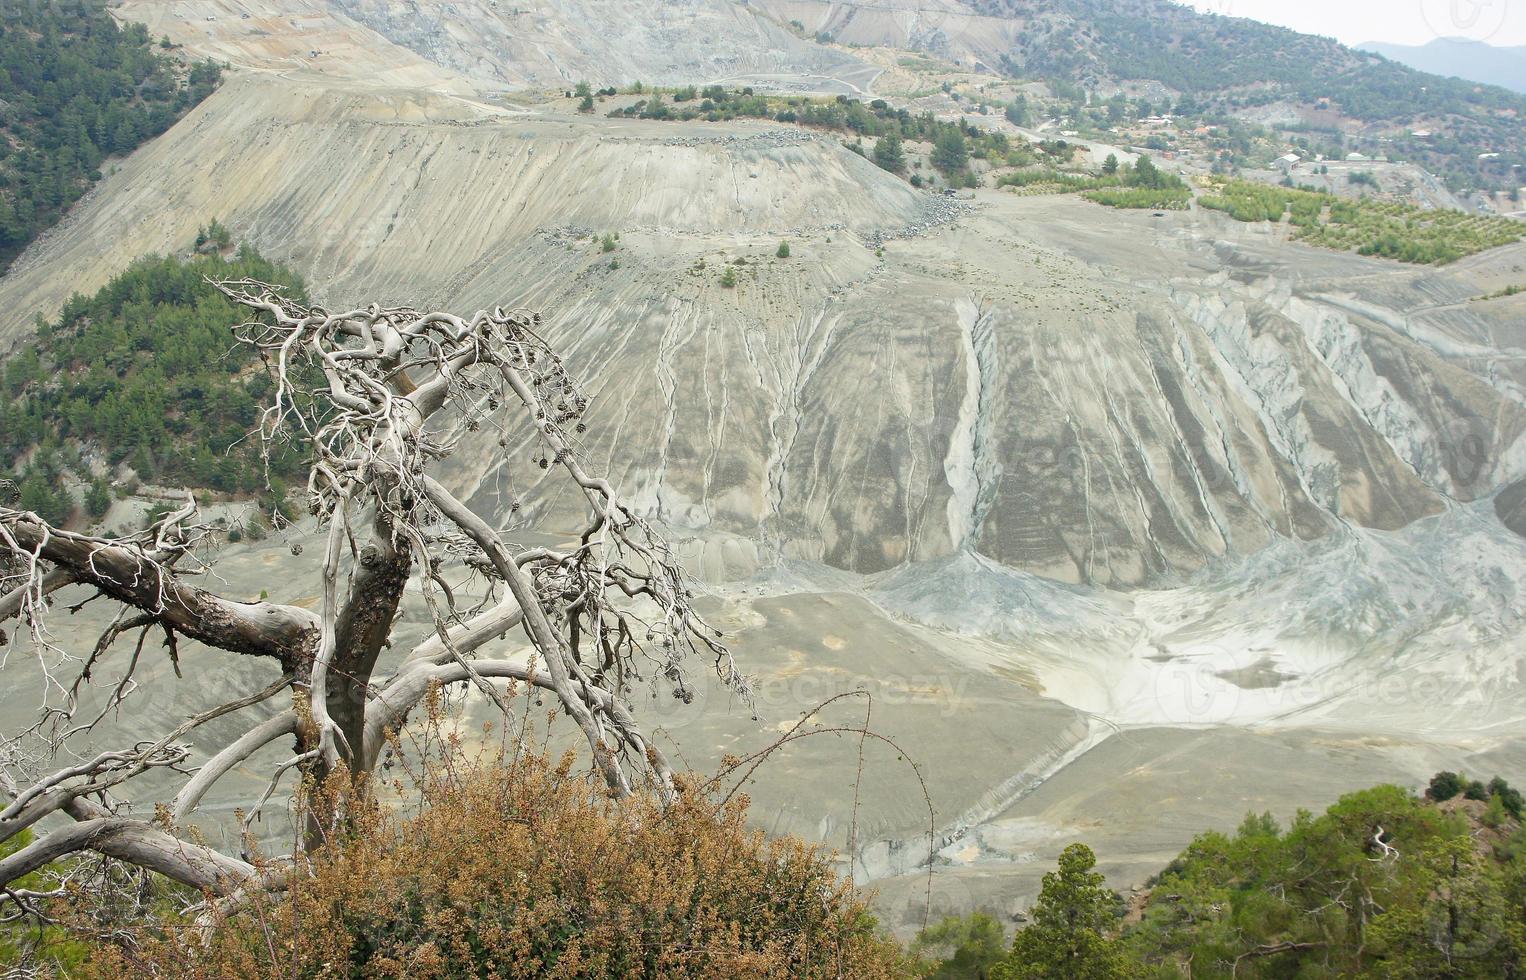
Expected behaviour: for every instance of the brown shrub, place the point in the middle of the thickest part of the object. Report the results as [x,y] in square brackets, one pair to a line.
[524,869]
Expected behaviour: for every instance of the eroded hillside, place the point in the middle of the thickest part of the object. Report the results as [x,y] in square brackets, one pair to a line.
[1098,398]
[500,45]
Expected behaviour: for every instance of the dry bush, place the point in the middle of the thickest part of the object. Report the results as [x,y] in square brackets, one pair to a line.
[518,866]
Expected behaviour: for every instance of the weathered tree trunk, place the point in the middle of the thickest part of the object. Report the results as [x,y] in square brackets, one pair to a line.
[389,379]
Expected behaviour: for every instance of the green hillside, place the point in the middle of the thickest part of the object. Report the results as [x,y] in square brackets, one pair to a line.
[145,372]
[75,89]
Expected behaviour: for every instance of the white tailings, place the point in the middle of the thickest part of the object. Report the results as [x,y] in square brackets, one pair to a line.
[972,465]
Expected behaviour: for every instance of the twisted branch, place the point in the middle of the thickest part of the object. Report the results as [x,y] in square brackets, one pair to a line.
[374,398]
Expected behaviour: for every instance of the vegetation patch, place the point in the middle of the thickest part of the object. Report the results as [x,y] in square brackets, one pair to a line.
[74,89]
[1143,186]
[955,144]
[1384,883]
[925,65]
[1370,227]
[1508,291]
[520,869]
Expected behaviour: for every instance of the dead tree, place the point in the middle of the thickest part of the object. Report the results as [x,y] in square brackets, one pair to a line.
[372,396]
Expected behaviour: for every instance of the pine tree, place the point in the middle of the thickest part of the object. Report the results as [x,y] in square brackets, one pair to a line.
[950,155]
[1067,937]
[889,155]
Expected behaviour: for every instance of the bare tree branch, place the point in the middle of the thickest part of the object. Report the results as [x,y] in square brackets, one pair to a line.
[135,574]
[135,841]
[246,745]
[372,398]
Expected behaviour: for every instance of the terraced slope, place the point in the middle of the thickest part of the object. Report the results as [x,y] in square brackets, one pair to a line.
[1098,398]
[498,45]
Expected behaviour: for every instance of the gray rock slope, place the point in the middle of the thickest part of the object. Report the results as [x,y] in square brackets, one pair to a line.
[1092,396]
[499,44]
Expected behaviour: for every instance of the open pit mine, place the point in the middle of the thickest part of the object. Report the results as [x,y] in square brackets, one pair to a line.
[1129,523]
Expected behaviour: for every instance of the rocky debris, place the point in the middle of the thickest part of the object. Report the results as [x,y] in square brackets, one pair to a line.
[566,235]
[772,139]
[662,43]
[938,210]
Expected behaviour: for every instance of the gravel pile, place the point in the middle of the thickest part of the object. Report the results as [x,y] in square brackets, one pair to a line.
[565,235]
[770,139]
[939,210]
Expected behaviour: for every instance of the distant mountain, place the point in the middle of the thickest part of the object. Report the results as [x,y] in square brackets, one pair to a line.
[1474,61]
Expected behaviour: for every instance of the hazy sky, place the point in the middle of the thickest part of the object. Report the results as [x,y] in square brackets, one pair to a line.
[1398,21]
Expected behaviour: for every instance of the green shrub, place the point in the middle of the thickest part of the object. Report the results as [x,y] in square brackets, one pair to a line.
[98,498]
[1142,186]
[28,949]
[950,154]
[1142,198]
[1386,229]
[1509,796]
[967,947]
[1072,932]
[889,154]
[1227,897]
[1444,786]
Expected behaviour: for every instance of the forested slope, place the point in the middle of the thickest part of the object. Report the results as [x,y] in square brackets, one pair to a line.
[1382,884]
[145,372]
[75,89]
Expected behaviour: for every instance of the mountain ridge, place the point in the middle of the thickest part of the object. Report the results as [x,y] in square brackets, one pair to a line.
[1474,61]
